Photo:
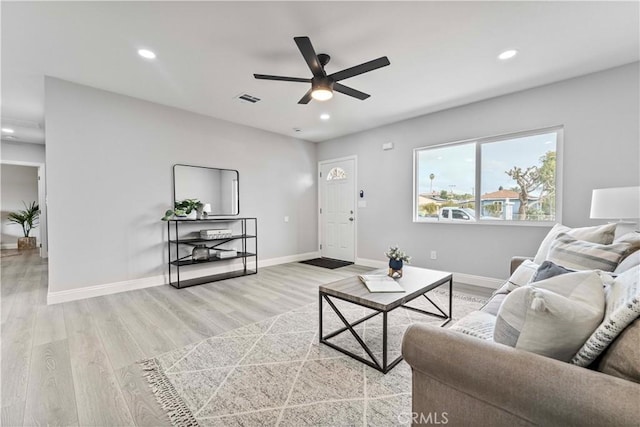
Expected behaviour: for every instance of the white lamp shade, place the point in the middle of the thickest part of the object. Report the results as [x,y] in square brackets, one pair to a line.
[615,203]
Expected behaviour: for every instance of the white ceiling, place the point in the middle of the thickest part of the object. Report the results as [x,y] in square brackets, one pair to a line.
[442,54]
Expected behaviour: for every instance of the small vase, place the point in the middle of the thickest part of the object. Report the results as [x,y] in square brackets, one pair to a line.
[200,253]
[395,268]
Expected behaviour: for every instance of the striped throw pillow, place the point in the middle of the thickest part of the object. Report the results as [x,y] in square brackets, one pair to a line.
[622,299]
[602,234]
[575,254]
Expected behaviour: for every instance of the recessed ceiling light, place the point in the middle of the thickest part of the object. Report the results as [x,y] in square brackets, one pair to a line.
[325,116]
[146,53]
[508,54]
[7,130]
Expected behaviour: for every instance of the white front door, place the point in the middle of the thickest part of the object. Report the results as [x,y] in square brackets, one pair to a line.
[337,209]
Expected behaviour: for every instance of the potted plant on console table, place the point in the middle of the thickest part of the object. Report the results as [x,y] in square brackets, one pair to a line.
[184,208]
[27,219]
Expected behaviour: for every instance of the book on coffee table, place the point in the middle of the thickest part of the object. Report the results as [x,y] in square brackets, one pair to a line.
[380,283]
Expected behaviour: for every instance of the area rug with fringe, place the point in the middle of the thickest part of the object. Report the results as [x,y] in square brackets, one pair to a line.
[275,373]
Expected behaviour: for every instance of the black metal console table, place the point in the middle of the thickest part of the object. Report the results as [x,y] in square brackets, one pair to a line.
[184,234]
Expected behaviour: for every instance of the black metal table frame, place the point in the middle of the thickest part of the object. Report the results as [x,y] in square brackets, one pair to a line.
[374,363]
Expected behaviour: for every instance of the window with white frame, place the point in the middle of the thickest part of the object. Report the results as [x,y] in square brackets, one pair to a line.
[504,179]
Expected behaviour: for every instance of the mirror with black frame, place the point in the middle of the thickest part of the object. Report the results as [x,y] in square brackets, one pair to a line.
[217,189]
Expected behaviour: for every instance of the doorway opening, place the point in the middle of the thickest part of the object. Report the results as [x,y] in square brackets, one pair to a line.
[22,183]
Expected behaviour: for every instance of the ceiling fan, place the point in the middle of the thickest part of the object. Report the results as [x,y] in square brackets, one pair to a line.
[323,85]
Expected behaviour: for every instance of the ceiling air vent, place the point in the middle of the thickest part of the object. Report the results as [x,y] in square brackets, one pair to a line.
[246,98]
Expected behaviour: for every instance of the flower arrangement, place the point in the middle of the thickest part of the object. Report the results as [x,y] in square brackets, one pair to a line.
[395,253]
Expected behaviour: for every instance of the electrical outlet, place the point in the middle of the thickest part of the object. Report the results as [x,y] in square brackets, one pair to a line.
[286,219]
[434,255]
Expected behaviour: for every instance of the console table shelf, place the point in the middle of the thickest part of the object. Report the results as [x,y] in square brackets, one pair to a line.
[199,240]
[182,262]
[181,240]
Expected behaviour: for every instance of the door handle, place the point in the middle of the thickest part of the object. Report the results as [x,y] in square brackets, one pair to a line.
[351,219]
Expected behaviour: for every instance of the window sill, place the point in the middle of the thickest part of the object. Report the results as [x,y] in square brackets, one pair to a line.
[501,223]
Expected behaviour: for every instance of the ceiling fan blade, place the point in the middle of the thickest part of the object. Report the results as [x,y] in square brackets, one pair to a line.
[284,79]
[309,54]
[360,69]
[306,98]
[350,91]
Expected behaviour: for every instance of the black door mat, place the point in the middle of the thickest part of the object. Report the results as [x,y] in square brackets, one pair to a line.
[329,263]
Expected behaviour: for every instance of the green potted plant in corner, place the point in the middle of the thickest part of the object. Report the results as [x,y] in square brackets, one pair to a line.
[183,208]
[28,219]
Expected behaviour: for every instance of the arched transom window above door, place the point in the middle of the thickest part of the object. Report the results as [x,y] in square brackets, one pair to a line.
[336,173]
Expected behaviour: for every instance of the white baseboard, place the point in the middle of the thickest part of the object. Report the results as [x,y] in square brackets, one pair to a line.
[9,246]
[467,279]
[104,289]
[148,282]
[484,282]
[373,263]
[287,259]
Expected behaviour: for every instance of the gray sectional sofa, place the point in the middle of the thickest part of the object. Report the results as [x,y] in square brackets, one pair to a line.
[469,379]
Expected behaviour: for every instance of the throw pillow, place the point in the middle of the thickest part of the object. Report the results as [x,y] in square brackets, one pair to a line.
[628,263]
[553,317]
[622,307]
[477,324]
[576,254]
[633,239]
[520,277]
[547,270]
[602,234]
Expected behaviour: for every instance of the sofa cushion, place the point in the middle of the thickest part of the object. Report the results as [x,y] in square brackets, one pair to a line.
[621,357]
[478,324]
[575,254]
[622,299]
[519,278]
[553,317]
[602,234]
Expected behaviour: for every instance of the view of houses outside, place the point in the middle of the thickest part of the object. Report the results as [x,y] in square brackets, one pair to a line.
[517,180]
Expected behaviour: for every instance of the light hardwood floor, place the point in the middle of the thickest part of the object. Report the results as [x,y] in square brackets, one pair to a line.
[75,363]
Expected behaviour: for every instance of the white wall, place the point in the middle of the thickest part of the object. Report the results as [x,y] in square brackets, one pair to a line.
[109,160]
[601,149]
[19,184]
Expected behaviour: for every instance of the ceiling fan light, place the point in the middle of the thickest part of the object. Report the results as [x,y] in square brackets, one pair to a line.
[146,53]
[507,54]
[322,94]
